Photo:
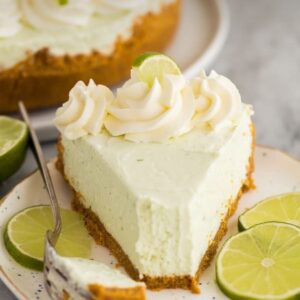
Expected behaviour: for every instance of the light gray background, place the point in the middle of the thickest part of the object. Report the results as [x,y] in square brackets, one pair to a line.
[262,56]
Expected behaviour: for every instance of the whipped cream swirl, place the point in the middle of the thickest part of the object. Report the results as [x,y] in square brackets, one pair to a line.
[167,109]
[9,18]
[50,15]
[218,101]
[85,110]
[151,114]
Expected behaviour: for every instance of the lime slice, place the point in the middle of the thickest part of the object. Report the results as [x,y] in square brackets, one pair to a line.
[261,263]
[24,235]
[153,65]
[13,142]
[282,208]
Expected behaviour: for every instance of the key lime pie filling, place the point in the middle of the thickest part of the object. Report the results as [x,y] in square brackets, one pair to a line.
[157,169]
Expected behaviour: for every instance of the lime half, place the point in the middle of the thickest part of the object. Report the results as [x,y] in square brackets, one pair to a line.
[24,235]
[281,208]
[261,263]
[13,142]
[153,65]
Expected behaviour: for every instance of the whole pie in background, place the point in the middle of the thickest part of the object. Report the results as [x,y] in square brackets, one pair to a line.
[47,46]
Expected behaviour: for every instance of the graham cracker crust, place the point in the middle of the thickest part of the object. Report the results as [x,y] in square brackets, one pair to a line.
[102,237]
[44,80]
[100,293]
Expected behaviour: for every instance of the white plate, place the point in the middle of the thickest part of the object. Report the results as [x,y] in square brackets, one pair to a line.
[201,34]
[275,173]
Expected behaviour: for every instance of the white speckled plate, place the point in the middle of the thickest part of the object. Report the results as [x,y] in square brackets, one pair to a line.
[275,173]
[200,36]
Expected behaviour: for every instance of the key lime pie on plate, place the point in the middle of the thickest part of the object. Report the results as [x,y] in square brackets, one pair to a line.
[47,46]
[158,167]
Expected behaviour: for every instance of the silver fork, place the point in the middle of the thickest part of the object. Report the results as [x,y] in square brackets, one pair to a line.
[39,156]
[52,268]
[51,236]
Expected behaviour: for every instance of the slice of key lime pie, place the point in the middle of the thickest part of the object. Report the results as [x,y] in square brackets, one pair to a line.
[157,168]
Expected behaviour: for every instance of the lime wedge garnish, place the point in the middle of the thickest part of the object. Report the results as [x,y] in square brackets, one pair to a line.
[24,235]
[281,208]
[13,142]
[261,263]
[153,65]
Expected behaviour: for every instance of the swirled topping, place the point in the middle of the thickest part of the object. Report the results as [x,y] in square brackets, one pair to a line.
[51,15]
[154,105]
[109,7]
[85,110]
[9,18]
[151,114]
[218,101]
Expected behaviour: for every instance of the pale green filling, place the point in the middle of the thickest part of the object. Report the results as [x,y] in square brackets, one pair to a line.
[163,203]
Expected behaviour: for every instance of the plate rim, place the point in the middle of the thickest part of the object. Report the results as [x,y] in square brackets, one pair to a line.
[11,286]
[14,289]
[217,42]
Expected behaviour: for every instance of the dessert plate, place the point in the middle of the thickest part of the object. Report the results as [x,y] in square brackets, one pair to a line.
[200,36]
[275,173]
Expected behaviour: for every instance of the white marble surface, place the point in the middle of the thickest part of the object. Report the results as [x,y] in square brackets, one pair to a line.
[262,56]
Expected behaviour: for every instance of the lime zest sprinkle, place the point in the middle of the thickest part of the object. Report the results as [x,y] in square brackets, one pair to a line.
[63,2]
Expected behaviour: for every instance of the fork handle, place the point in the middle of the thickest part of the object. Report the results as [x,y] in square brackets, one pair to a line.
[39,156]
